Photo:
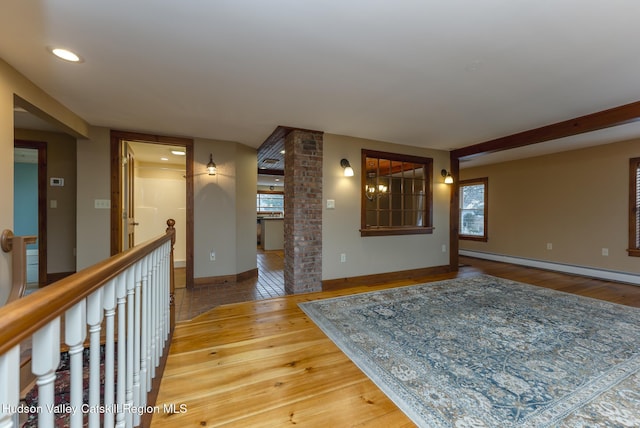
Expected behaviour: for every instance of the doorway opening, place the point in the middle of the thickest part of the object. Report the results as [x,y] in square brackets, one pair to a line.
[145,189]
[30,210]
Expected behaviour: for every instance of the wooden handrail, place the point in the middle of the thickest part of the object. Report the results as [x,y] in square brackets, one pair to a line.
[20,319]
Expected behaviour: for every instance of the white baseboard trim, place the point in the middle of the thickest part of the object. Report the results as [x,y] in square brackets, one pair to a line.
[560,267]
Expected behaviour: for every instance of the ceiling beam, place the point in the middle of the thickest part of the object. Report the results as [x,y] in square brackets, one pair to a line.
[591,122]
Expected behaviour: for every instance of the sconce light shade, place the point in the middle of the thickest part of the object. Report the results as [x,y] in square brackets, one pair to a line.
[211,166]
[448,179]
[348,171]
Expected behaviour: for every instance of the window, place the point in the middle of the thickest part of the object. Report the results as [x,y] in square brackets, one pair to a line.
[634,205]
[270,203]
[473,209]
[395,194]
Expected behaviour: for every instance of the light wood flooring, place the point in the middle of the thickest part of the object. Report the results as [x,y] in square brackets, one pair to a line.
[265,364]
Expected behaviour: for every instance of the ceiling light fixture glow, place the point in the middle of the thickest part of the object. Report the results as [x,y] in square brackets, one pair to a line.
[178,152]
[66,55]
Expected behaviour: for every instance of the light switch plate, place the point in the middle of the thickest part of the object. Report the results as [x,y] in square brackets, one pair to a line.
[331,204]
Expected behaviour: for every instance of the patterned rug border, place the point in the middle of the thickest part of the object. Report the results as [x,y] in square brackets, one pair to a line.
[405,400]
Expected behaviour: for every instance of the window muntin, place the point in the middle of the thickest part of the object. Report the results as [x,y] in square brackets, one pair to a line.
[396,194]
[634,207]
[473,209]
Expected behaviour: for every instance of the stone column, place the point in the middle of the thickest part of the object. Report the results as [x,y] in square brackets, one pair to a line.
[303,212]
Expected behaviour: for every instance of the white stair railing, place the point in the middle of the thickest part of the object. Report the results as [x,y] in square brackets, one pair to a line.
[124,304]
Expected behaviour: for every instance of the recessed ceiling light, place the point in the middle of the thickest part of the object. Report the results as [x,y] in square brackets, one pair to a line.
[178,152]
[164,159]
[66,54]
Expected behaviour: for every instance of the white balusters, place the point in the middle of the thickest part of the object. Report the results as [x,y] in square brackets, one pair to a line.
[137,395]
[44,362]
[75,333]
[9,387]
[130,284]
[134,306]
[109,350]
[94,318]
[145,346]
[121,299]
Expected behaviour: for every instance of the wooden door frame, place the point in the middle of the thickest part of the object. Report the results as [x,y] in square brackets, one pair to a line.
[41,147]
[116,185]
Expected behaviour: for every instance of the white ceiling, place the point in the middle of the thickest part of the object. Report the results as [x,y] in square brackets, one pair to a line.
[440,74]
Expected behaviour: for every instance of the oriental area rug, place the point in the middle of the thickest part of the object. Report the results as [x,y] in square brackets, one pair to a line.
[489,352]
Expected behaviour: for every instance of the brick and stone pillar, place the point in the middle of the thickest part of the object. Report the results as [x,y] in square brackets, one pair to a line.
[303,212]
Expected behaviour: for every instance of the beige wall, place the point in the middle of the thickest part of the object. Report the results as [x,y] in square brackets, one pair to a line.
[12,85]
[219,218]
[246,182]
[340,226]
[61,221]
[576,200]
[93,225]
[224,208]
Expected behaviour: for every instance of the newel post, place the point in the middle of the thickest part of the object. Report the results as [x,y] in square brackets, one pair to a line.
[172,300]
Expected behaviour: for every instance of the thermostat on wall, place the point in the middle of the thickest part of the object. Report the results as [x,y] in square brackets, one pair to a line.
[55,181]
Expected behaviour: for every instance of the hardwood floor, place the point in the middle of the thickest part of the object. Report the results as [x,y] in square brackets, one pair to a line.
[265,364]
[269,283]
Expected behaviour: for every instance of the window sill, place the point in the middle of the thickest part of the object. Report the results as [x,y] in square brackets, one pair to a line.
[473,238]
[387,231]
[634,252]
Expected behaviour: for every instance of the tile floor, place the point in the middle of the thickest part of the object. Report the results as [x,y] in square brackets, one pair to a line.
[270,283]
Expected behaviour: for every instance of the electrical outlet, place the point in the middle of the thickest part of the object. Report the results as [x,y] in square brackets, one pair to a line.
[605,251]
[212,256]
[549,246]
[444,248]
[343,258]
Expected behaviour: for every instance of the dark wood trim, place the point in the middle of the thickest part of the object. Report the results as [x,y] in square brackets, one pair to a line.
[250,274]
[41,147]
[381,278]
[485,182]
[454,213]
[400,230]
[592,122]
[427,164]
[116,184]
[271,172]
[226,279]
[57,276]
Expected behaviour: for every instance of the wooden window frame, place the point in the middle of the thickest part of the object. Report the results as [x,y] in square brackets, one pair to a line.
[484,181]
[634,204]
[269,192]
[427,213]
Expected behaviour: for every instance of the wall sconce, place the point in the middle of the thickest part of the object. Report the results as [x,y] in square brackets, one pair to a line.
[211,166]
[448,179]
[348,171]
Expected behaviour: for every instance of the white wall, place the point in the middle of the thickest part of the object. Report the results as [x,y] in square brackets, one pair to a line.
[160,194]
[340,226]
